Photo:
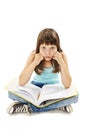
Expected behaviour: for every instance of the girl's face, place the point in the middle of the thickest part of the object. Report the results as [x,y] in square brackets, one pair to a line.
[47,51]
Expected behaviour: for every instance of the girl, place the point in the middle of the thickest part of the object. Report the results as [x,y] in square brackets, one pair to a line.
[49,63]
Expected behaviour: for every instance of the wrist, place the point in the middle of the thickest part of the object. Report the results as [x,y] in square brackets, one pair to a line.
[34,64]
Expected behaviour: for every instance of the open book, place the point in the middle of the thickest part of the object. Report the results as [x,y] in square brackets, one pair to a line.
[44,96]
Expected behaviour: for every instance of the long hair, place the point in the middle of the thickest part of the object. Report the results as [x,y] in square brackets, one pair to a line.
[48,36]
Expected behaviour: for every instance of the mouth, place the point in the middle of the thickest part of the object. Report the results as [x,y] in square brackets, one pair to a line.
[48,58]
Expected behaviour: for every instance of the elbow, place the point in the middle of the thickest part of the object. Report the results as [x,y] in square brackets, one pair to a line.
[21,83]
[68,83]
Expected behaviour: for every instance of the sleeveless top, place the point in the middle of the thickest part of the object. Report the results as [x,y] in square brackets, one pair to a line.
[47,76]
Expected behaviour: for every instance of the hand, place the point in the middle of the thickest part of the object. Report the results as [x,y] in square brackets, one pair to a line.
[58,57]
[38,58]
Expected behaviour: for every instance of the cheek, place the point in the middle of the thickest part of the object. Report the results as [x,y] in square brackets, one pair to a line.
[53,52]
[42,52]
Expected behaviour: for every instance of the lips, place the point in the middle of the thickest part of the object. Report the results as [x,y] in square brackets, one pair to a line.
[48,57]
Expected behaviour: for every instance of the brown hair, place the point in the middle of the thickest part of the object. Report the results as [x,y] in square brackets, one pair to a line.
[48,36]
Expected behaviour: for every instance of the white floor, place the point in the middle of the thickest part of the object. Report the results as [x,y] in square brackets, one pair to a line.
[49,120]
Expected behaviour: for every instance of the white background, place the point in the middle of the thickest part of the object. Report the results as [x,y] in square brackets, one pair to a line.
[20,23]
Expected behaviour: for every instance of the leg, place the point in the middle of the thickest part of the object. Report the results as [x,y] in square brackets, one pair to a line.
[16,98]
[56,105]
[20,106]
[33,108]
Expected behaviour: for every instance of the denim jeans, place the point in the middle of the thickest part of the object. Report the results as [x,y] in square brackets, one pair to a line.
[53,106]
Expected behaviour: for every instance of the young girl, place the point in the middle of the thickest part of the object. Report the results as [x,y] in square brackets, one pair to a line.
[50,65]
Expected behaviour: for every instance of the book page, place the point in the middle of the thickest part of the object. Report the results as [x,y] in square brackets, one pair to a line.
[51,89]
[30,92]
[37,95]
[56,91]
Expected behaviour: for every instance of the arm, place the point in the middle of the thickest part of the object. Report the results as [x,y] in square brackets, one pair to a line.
[65,74]
[33,60]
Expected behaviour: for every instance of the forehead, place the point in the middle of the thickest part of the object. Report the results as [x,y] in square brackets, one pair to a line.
[50,45]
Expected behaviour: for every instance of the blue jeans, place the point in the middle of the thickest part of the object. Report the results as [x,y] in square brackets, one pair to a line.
[58,104]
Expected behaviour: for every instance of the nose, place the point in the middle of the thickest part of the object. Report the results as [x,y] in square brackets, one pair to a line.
[47,52]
